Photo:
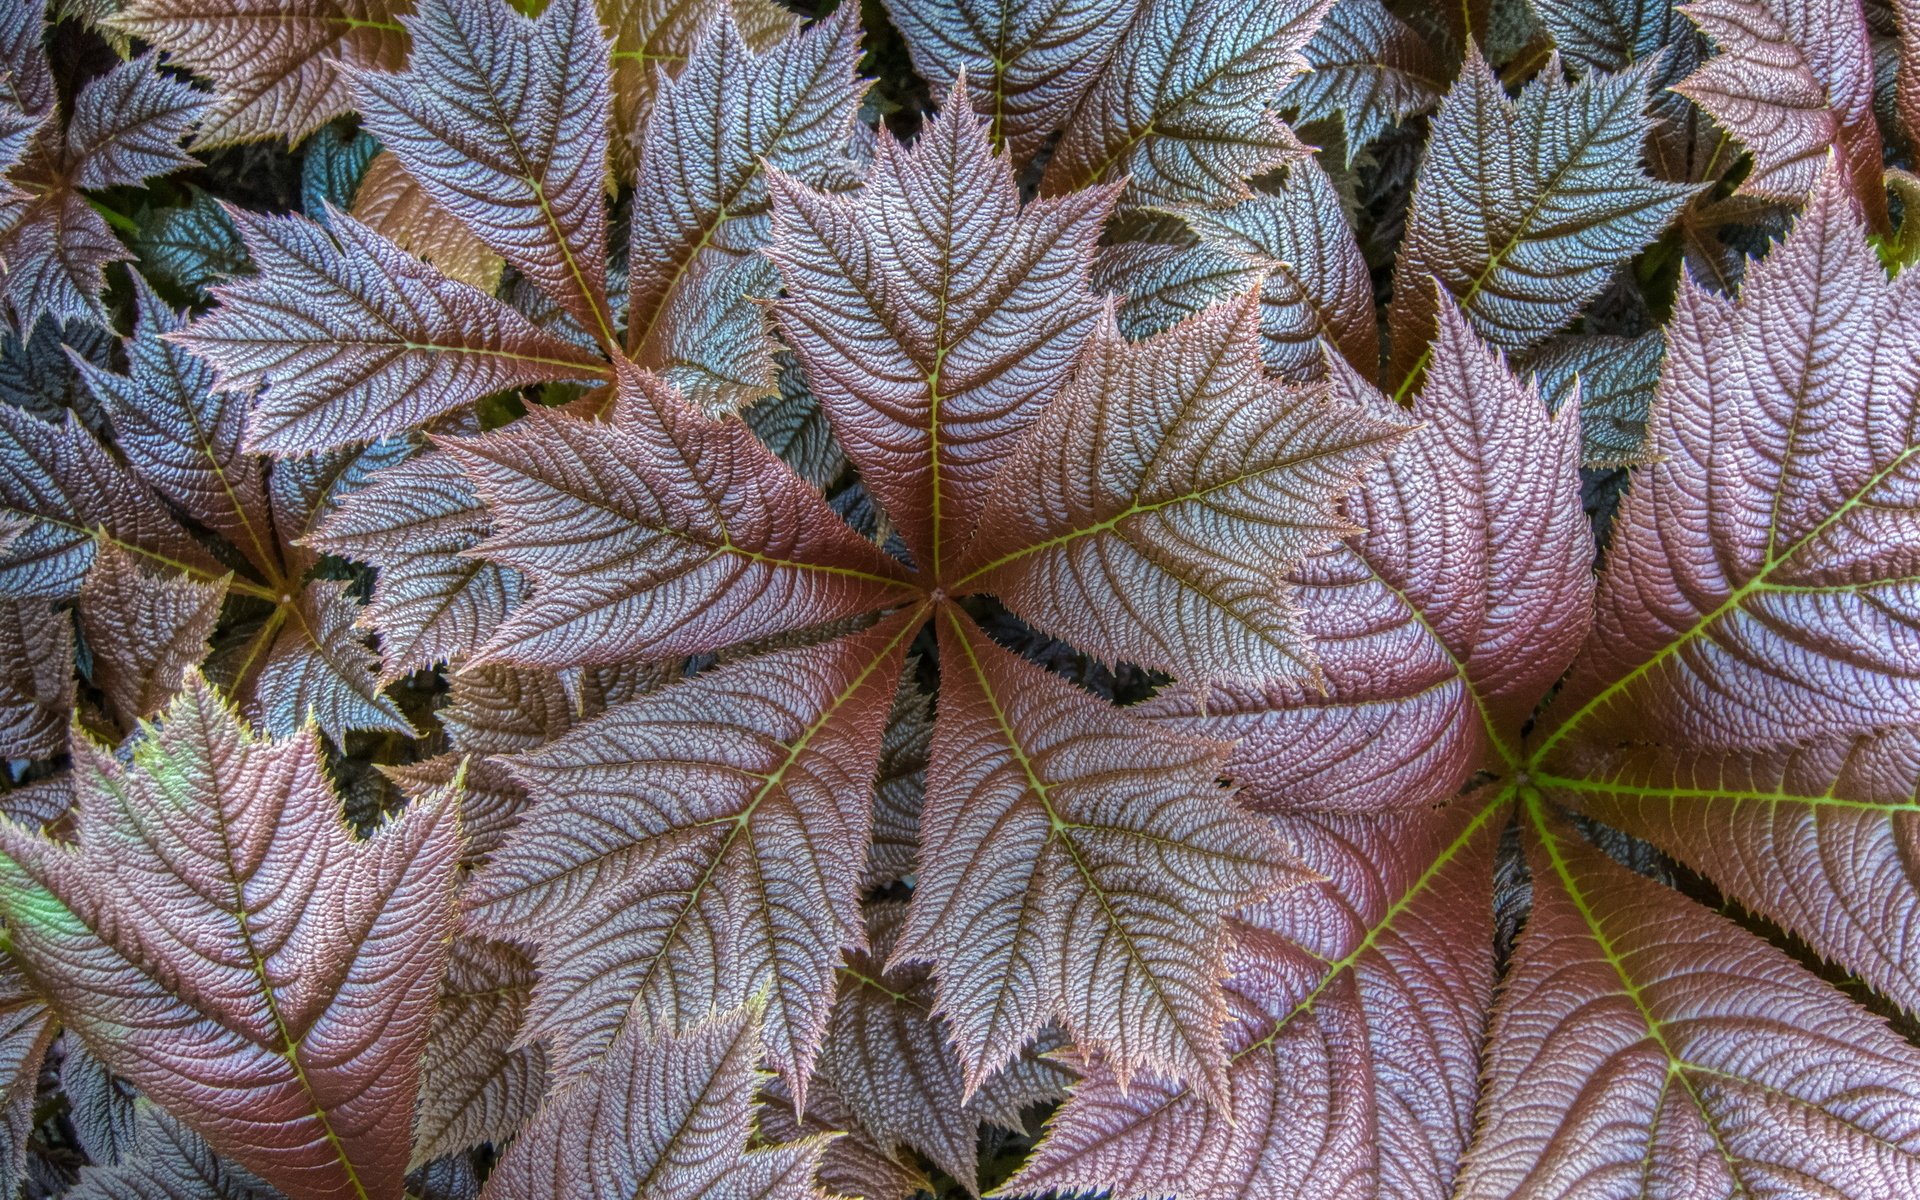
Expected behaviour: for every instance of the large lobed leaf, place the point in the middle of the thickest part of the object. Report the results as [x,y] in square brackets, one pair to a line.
[218,937]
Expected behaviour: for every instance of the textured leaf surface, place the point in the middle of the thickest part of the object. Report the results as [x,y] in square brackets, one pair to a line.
[1524,208]
[1609,35]
[1760,585]
[1076,864]
[1643,1043]
[1369,67]
[665,1118]
[893,1062]
[1358,1009]
[660,533]
[392,204]
[1794,82]
[191,248]
[503,121]
[144,630]
[72,492]
[476,1085]
[935,317]
[168,1161]
[277,65]
[27,1029]
[36,684]
[1818,838]
[1182,108]
[1615,378]
[217,923]
[353,338]
[320,669]
[1152,511]
[1027,65]
[729,116]
[692,848]
[127,125]
[431,602]
[1438,628]
[854,1164]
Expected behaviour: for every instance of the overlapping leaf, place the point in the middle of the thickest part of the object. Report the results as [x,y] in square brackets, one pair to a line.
[219,938]
[277,65]
[667,1118]
[36,685]
[476,1084]
[935,317]
[125,127]
[144,630]
[1027,65]
[1151,510]
[1289,239]
[1181,109]
[168,1161]
[698,846]
[1358,1009]
[1076,865]
[1524,208]
[347,337]
[1641,1042]
[390,202]
[503,122]
[1793,81]
[1368,66]
[715,129]
[659,533]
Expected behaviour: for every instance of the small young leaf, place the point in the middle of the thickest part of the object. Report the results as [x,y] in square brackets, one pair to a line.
[1371,68]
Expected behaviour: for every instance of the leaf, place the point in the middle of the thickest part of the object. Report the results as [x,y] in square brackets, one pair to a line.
[1026,65]
[476,1085]
[1616,378]
[144,631]
[1151,512]
[893,1063]
[127,125]
[1181,109]
[1786,610]
[666,1117]
[1524,208]
[218,938]
[854,1164]
[1609,35]
[332,166]
[320,670]
[1439,627]
[57,477]
[795,427]
[715,130]
[27,1029]
[900,786]
[1639,1040]
[168,1162]
[347,337]
[503,122]
[189,249]
[1112,857]
[1793,82]
[652,40]
[36,688]
[276,64]
[393,205]
[700,846]
[658,534]
[431,602]
[1371,68]
[38,373]
[103,1109]
[936,317]
[1316,283]
[1358,1010]
[181,433]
